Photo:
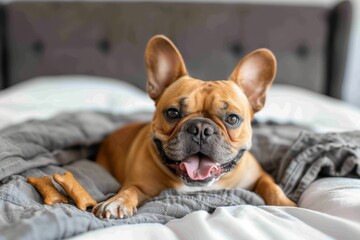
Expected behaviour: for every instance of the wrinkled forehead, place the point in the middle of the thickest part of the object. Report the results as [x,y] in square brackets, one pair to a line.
[189,93]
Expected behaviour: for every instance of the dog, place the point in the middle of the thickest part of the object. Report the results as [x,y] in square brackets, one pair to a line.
[199,137]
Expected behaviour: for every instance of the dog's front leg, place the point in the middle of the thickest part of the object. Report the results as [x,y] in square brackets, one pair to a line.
[123,204]
[271,192]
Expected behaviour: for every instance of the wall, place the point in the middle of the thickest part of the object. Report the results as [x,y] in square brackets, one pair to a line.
[351,91]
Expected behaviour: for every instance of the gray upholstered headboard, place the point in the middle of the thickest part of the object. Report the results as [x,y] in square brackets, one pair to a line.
[109,38]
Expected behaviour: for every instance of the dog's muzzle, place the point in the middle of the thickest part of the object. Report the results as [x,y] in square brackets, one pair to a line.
[198,169]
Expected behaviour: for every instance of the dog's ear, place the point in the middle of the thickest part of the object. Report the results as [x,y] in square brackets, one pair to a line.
[254,74]
[164,64]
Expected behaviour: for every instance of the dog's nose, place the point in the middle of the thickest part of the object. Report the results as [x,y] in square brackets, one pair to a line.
[200,130]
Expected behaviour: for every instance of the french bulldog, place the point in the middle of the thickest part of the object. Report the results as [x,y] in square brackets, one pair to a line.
[199,137]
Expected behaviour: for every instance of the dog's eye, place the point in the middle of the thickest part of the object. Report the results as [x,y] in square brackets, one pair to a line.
[172,113]
[233,120]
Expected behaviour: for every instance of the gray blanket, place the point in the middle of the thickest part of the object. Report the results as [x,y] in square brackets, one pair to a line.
[295,157]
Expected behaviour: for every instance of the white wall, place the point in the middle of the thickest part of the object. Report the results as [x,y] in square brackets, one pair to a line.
[351,91]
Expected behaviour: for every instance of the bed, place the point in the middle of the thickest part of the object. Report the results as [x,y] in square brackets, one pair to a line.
[88,79]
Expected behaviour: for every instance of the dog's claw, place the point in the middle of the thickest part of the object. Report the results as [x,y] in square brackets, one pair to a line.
[107,214]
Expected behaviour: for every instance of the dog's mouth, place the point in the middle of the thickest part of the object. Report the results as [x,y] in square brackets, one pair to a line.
[198,168]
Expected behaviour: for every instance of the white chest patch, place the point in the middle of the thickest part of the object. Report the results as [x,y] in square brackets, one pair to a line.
[210,186]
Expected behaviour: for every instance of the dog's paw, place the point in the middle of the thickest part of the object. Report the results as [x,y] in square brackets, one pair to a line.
[278,198]
[283,201]
[115,207]
[272,193]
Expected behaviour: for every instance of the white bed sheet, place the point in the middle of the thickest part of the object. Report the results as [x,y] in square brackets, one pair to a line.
[239,222]
[330,208]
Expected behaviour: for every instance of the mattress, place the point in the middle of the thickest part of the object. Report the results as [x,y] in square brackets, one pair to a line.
[328,209]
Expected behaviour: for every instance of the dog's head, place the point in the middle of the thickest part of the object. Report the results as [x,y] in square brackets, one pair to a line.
[202,128]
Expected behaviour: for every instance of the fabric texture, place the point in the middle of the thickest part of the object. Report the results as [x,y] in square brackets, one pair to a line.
[296,157]
[68,142]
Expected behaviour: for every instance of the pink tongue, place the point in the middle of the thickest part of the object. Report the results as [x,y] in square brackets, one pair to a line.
[199,168]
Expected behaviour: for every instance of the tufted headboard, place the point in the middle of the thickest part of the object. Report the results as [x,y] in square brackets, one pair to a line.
[109,39]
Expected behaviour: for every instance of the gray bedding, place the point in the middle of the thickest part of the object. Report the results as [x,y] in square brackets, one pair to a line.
[294,156]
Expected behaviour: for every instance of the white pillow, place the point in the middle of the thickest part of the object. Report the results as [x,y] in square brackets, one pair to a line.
[43,97]
[335,196]
[287,103]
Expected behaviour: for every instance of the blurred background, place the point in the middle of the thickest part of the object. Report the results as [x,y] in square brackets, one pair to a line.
[317,42]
